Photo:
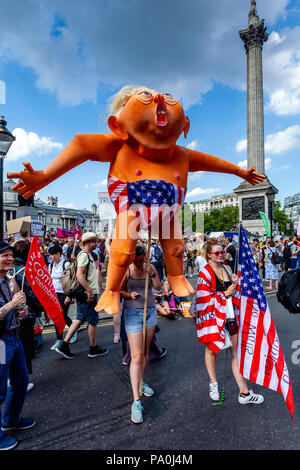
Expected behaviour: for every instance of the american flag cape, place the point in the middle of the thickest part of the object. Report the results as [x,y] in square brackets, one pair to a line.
[211,311]
[149,197]
[260,355]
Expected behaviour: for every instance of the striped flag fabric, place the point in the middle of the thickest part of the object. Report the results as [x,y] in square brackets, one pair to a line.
[260,355]
[211,311]
[150,197]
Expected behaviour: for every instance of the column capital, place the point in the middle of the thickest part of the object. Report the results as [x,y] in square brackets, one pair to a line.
[255,35]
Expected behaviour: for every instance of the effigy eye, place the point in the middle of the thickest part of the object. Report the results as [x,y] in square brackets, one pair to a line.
[145,97]
[169,99]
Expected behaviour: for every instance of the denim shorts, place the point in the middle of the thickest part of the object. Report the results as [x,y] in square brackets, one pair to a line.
[86,311]
[134,318]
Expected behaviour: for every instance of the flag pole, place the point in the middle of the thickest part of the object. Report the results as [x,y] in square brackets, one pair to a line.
[145,308]
[74,247]
[238,249]
[23,279]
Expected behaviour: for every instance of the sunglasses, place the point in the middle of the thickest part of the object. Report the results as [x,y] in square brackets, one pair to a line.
[218,253]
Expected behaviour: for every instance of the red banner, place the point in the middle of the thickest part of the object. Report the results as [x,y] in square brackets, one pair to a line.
[63,233]
[37,274]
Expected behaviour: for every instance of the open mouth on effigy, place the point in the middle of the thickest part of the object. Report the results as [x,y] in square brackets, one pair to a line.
[161,115]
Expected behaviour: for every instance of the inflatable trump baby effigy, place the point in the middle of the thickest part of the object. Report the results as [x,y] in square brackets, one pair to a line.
[148,174]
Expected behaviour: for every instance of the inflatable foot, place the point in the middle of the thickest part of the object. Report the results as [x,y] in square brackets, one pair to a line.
[180,286]
[109,302]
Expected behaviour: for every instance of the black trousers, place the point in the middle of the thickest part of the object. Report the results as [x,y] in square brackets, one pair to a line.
[26,334]
[61,298]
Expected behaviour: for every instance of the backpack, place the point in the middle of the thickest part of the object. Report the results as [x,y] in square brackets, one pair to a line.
[275,257]
[289,290]
[158,254]
[287,252]
[70,284]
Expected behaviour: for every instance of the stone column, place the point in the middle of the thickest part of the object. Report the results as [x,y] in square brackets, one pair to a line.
[254,37]
[254,199]
[255,118]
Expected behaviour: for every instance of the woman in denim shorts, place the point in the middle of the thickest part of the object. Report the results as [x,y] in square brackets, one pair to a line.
[133,292]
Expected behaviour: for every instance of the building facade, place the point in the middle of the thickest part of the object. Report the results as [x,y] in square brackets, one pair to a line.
[106,213]
[292,207]
[49,213]
[215,202]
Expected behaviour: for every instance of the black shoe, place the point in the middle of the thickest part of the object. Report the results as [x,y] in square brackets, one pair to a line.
[163,354]
[64,350]
[95,351]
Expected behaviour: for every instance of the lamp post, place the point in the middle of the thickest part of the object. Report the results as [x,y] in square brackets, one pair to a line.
[271,197]
[6,139]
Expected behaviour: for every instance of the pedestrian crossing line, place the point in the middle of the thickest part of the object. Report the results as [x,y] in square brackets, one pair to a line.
[52,330]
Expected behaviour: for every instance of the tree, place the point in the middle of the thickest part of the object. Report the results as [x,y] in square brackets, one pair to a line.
[280,217]
[220,220]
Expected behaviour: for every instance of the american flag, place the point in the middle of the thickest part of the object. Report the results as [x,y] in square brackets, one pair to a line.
[149,196]
[260,355]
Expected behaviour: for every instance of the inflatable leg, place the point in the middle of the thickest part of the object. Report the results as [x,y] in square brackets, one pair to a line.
[121,255]
[173,249]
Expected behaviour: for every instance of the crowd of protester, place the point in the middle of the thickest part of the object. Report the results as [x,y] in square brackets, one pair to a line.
[92,255]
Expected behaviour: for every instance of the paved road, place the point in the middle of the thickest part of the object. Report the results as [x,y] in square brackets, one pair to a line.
[85,403]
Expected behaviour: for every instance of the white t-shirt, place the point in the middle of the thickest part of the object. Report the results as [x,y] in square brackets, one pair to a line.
[56,272]
[65,249]
[200,262]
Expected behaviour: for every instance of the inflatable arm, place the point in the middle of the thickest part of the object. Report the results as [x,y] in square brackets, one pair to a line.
[199,161]
[83,147]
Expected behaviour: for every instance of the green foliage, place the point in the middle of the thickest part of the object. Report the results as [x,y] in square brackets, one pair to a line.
[280,217]
[220,220]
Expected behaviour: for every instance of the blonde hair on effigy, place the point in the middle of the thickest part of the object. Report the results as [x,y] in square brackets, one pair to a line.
[118,101]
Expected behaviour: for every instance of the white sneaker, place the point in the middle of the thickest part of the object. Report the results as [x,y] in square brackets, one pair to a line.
[253,398]
[30,386]
[214,391]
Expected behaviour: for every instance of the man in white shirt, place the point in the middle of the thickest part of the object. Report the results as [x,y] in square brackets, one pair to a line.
[56,268]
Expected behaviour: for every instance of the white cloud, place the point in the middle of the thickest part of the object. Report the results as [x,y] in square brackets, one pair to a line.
[241,145]
[283,141]
[275,144]
[200,191]
[193,145]
[282,72]
[195,175]
[30,144]
[243,164]
[96,185]
[268,163]
[83,45]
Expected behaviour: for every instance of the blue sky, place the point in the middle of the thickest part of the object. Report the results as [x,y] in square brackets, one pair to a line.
[62,60]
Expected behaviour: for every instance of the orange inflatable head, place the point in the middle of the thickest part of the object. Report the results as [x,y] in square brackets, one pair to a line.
[154,120]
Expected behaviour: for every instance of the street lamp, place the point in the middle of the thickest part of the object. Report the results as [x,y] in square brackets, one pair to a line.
[6,139]
[271,197]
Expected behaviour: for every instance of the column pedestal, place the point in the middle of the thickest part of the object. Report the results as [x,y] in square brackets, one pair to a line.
[252,200]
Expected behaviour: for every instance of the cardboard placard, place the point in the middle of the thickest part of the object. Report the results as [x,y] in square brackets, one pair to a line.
[37,228]
[18,225]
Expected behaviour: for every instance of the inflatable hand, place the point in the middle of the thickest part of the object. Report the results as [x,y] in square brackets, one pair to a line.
[252,177]
[30,180]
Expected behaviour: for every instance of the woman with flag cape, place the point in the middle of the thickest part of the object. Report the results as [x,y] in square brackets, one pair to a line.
[217,326]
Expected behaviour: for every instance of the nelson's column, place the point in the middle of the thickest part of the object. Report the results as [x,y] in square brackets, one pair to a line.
[259,198]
